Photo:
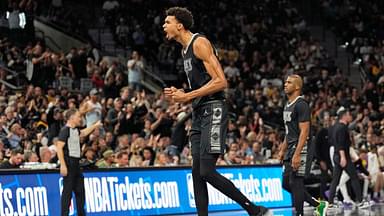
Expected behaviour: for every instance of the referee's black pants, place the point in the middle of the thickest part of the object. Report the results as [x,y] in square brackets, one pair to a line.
[324,178]
[74,181]
[295,185]
[350,169]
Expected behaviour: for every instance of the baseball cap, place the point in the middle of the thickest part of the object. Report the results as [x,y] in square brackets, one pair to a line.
[94,92]
[107,153]
[341,111]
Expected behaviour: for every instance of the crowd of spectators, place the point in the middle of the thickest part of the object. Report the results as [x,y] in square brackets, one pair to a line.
[360,28]
[259,43]
[358,24]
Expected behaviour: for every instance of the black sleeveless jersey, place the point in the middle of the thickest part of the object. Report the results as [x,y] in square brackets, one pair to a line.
[295,112]
[197,74]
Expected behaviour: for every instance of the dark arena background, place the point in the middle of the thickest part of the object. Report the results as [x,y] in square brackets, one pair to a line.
[111,60]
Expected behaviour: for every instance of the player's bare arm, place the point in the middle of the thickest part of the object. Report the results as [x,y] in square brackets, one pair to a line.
[304,132]
[283,148]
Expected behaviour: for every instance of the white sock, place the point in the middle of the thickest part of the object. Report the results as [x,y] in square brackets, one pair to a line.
[375,194]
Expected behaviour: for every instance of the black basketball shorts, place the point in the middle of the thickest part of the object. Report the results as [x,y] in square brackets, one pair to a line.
[209,129]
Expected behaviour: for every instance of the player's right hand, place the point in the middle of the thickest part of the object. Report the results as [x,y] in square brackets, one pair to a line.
[169,91]
[63,170]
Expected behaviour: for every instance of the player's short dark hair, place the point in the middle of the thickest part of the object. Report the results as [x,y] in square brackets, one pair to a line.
[183,15]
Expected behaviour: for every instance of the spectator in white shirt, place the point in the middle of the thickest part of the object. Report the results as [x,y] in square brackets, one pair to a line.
[231,71]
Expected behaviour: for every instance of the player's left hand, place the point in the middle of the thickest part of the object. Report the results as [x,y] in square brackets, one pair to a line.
[180,96]
[296,162]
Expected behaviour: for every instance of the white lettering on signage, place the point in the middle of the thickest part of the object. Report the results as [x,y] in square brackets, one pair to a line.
[107,194]
[111,193]
[29,201]
[257,190]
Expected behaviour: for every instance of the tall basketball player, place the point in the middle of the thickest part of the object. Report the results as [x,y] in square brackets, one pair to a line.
[207,82]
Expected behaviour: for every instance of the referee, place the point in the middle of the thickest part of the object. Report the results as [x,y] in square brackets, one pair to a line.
[293,151]
[69,151]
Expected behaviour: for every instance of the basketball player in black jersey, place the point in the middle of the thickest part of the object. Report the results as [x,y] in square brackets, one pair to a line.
[209,118]
[297,116]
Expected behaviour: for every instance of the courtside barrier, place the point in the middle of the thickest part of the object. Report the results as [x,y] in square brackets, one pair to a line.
[136,191]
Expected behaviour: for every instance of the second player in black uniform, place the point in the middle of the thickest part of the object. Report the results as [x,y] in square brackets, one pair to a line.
[297,116]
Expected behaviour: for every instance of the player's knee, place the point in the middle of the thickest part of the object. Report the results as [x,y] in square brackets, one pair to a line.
[286,185]
[206,174]
[195,171]
[296,183]
[293,185]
